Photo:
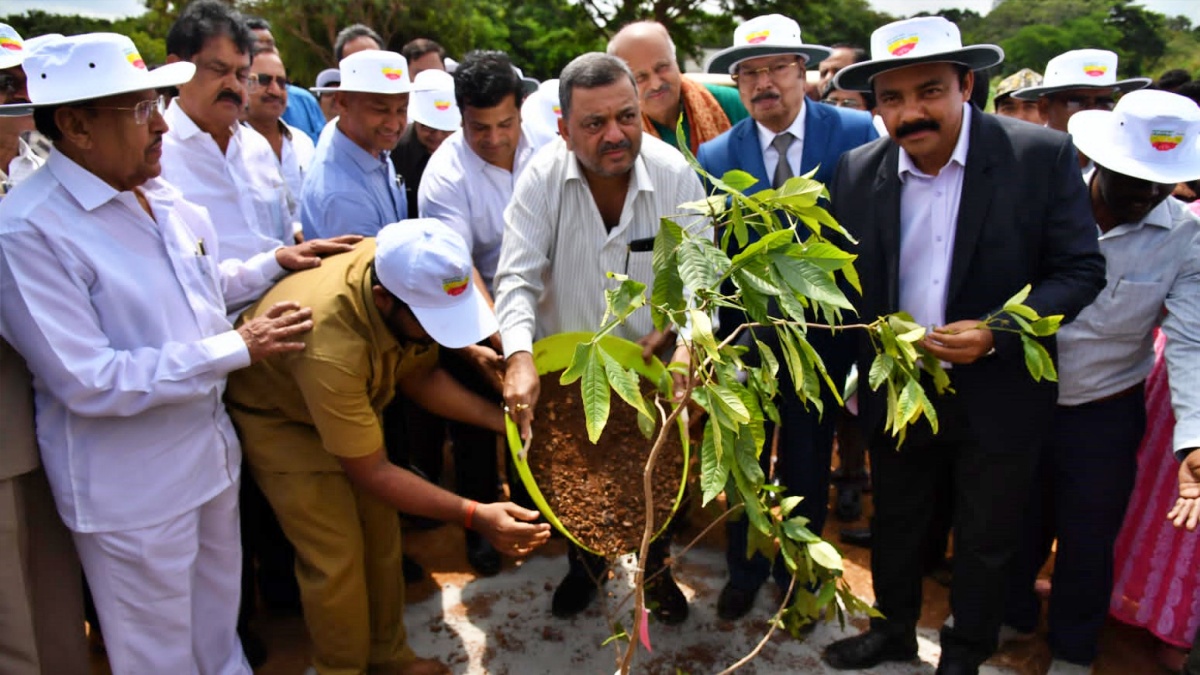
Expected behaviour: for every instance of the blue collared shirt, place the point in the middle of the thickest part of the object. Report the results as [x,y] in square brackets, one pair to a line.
[350,191]
[304,112]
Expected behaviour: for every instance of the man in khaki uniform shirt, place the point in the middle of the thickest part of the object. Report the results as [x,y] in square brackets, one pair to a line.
[310,429]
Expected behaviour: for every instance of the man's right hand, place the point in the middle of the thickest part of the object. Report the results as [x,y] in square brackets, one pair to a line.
[500,523]
[521,390]
[275,331]
[1186,512]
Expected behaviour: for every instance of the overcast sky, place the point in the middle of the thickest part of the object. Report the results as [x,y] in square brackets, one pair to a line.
[110,9]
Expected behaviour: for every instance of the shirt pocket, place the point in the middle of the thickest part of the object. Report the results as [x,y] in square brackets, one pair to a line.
[1130,307]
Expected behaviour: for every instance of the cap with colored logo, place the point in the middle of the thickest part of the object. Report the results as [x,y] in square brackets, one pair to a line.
[924,39]
[330,78]
[427,265]
[540,113]
[1081,69]
[12,47]
[90,66]
[432,102]
[372,72]
[1152,135]
[1021,79]
[765,36]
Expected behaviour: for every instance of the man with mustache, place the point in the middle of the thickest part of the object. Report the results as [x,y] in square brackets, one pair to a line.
[786,135]
[583,208]
[268,98]
[124,329]
[707,109]
[302,110]
[954,213]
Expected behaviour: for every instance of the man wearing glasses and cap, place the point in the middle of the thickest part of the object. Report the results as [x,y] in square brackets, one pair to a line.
[125,333]
[1009,106]
[786,135]
[954,213]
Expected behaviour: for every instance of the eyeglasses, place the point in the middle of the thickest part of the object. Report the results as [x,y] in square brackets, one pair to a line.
[141,112]
[774,72]
[1077,103]
[844,102]
[263,80]
[11,83]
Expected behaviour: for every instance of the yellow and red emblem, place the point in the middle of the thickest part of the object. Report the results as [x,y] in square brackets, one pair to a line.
[442,105]
[1094,69]
[10,43]
[557,111]
[455,286]
[1163,140]
[135,59]
[903,45]
[757,37]
[393,73]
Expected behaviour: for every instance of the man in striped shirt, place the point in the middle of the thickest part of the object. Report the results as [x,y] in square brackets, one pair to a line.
[582,208]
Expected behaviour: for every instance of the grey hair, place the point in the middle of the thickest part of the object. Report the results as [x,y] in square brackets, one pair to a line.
[653,26]
[589,71]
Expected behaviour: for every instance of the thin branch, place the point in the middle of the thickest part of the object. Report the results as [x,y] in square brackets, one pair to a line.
[766,638]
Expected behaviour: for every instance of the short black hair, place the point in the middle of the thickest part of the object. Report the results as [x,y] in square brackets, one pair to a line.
[43,121]
[353,32]
[419,47]
[1190,90]
[485,78]
[591,70]
[860,54]
[1172,80]
[205,19]
[257,23]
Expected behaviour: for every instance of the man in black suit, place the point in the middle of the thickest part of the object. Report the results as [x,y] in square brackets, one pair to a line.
[954,213]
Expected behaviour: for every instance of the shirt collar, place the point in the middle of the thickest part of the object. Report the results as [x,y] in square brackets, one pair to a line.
[183,126]
[365,161]
[766,136]
[959,156]
[639,180]
[91,192]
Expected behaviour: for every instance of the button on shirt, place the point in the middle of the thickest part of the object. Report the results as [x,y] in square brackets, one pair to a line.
[766,138]
[469,195]
[125,333]
[1151,266]
[928,221]
[349,191]
[242,188]
[557,251]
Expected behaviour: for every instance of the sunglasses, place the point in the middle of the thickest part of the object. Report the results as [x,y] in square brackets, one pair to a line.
[844,102]
[774,72]
[263,81]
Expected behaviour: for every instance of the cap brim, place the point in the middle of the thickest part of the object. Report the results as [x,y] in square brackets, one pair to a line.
[1093,131]
[170,75]
[1123,86]
[327,90]
[857,77]
[725,60]
[460,325]
[435,124]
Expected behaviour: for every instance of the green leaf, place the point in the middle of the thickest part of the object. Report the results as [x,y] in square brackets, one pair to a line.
[699,264]
[709,206]
[739,225]
[908,405]
[713,473]
[625,299]
[729,403]
[666,297]
[807,279]
[881,369]
[796,529]
[768,242]
[595,393]
[625,382]
[702,333]
[1046,325]
[746,453]
[1022,311]
[738,180]
[1020,297]
[789,503]
[584,353]
[1038,360]
[824,554]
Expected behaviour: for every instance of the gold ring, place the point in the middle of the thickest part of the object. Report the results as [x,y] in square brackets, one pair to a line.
[521,406]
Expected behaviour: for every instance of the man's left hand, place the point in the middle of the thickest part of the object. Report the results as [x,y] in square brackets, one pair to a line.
[1186,512]
[487,362]
[308,255]
[961,342]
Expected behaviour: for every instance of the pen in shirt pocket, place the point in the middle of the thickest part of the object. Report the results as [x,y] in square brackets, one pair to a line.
[200,250]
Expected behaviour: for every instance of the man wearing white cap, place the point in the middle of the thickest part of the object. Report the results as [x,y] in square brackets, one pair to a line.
[540,112]
[1151,243]
[40,615]
[423,54]
[311,427]
[435,116]
[954,213]
[328,80]
[352,187]
[1082,79]
[786,135]
[125,333]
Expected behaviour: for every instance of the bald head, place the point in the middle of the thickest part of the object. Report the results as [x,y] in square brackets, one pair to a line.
[640,33]
[648,50]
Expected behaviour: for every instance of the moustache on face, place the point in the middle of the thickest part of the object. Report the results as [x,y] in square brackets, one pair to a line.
[666,87]
[914,127]
[765,96]
[609,147]
[230,95]
[271,98]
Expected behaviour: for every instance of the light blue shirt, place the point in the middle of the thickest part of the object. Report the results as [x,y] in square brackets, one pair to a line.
[304,112]
[349,191]
[1153,270]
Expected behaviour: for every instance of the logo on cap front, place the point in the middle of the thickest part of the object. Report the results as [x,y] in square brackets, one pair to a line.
[557,111]
[1165,140]
[1095,69]
[393,73]
[10,43]
[455,286]
[757,37]
[135,59]
[442,105]
[903,45]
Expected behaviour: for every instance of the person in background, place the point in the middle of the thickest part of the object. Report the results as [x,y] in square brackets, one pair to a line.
[434,117]
[1006,104]
[353,39]
[423,54]
[301,110]
[540,112]
[328,80]
[1172,80]
[841,54]
[854,100]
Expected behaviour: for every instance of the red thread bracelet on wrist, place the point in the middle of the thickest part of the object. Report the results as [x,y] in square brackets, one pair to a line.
[470,514]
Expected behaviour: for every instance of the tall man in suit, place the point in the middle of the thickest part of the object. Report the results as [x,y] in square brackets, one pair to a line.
[785,136]
[954,213]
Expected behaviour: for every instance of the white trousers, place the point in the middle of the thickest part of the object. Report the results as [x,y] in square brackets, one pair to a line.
[167,595]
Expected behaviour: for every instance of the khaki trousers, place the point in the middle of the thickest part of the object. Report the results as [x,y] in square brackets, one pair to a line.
[348,567]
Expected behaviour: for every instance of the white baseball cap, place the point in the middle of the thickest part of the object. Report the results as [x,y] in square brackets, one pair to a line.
[1081,69]
[765,35]
[1152,135]
[540,113]
[90,66]
[432,102]
[924,39]
[427,265]
[12,47]
[373,71]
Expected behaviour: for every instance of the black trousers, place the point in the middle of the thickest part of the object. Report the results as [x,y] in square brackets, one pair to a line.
[985,478]
[1085,476]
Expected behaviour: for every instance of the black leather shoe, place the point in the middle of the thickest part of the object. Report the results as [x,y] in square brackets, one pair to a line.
[573,595]
[667,603]
[413,572]
[848,505]
[869,650]
[734,602]
[956,668]
[856,536]
[482,556]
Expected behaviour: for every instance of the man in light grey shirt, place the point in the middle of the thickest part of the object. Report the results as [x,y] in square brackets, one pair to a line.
[587,205]
[1151,244]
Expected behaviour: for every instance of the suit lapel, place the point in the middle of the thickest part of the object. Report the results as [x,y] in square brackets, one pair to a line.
[749,154]
[977,191]
[817,134]
[886,217]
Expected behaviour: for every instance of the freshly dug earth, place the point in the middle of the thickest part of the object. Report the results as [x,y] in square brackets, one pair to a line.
[596,490]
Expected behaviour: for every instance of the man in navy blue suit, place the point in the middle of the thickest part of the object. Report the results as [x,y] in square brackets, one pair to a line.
[785,136]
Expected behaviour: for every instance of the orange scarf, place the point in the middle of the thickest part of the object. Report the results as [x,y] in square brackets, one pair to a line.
[703,114]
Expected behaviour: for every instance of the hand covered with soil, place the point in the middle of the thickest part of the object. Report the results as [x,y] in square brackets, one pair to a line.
[510,528]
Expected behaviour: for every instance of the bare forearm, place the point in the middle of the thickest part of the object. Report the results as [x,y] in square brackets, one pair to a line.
[405,491]
[442,395]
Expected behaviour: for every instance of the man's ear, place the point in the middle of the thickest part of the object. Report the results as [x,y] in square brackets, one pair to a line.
[173,58]
[968,84]
[75,125]
[382,299]
[562,131]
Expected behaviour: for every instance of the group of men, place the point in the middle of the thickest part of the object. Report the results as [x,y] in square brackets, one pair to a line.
[172,327]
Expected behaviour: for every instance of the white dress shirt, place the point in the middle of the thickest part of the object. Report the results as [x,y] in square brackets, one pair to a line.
[928,222]
[469,195]
[1153,270]
[121,319]
[297,155]
[21,167]
[242,188]
[795,151]
[557,251]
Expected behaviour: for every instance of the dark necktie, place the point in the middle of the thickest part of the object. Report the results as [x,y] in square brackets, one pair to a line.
[783,170]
